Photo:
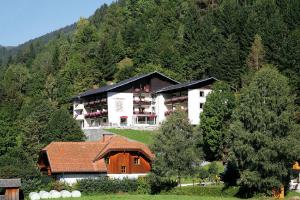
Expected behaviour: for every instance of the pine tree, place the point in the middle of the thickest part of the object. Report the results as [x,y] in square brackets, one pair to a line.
[264,136]
[62,127]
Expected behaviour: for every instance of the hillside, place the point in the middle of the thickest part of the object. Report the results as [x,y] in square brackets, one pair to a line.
[185,40]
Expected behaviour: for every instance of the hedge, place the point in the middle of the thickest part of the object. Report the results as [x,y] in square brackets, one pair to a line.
[105,185]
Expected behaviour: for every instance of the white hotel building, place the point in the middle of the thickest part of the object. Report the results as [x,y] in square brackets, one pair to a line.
[141,101]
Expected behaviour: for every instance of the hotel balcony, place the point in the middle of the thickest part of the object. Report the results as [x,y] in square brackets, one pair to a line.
[143,89]
[96,114]
[144,113]
[141,102]
[96,102]
[176,100]
[169,112]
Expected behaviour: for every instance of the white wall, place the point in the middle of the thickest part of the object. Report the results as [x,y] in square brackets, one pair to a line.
[73,178]
[128,176]
[160,108]
[194,101]
[119,104]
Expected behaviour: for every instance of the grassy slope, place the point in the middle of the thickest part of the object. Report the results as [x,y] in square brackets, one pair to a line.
[138,135]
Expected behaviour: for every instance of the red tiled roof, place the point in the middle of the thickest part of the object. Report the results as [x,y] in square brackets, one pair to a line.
[119,143]
[88,156]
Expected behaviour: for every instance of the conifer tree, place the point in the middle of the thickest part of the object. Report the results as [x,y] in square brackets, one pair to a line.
[62,127]
[264,136]
[256,56]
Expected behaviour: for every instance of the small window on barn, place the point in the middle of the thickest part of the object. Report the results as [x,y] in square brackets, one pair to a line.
[107,161]
[136,161]
[201,93]
[123,169]
[201,105]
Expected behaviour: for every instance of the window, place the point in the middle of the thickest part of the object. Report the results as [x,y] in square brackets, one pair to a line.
[107,160]
[82,124]
[136,161]
[94,123]
[123,169]
[201,94]
[201,105]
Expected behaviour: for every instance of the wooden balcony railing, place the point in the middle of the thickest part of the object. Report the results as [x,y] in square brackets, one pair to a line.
[176,99]
[95,114]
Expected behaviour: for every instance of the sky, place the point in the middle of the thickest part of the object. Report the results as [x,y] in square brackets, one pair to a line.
[22,20]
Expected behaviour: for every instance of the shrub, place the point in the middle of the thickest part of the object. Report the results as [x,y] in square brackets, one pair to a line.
[158,184]
[59,186]
[106,185]
[143,185]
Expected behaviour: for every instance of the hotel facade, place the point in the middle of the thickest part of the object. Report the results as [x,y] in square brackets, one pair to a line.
[142,101]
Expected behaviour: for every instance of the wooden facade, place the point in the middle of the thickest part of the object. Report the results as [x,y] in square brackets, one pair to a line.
[127,163]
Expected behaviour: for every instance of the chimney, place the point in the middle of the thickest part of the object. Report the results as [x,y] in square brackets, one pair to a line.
[106,136]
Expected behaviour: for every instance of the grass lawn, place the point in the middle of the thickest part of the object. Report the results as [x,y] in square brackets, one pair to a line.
[138,135]
[150,197]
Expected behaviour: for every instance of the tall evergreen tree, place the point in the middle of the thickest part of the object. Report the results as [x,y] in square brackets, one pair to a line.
[256,57]
[264,136]
[62,127]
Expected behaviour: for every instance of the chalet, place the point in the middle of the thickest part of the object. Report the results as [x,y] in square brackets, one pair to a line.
[140,101]
[112,156]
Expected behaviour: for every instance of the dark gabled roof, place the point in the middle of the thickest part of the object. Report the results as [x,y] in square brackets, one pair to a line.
[121,83]
[187,85]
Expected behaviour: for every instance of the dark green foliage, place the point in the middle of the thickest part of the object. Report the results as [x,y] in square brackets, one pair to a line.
[174,147]
[105,185]
[213,169]
[18,164]
[203,173]
[264,136]
[215,121]
[62,127]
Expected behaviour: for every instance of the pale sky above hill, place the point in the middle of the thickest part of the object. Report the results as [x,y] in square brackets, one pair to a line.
[22,20]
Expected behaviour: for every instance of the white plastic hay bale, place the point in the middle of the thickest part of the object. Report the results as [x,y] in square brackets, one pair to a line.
[34,196]
[65,194]
[45,195]
[41,192]
[54,194]
[76,194]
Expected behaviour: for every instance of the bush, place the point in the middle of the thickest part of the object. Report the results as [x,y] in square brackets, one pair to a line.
[106,186]
[158,184]
[143,186]
[59,186]
[204,191]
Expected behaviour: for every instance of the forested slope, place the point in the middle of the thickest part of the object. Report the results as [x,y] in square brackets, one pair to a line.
[187,40]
